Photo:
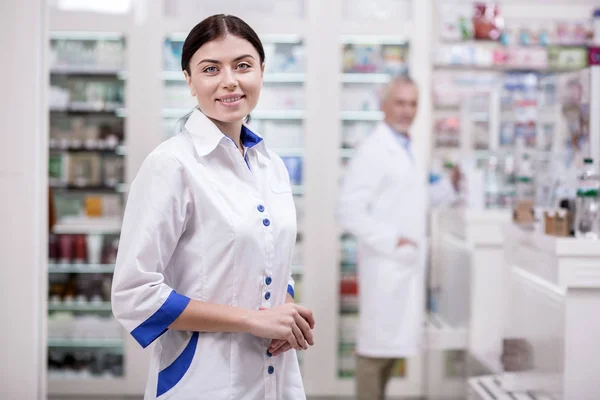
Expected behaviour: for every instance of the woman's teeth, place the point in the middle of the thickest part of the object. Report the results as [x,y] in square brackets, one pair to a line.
[231,100]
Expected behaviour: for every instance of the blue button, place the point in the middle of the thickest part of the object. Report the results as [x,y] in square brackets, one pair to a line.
[271,369]
[266,222]
[268,280]
[269,354]
[260,208]
[267,295]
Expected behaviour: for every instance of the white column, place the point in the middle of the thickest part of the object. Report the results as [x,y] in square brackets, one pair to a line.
[321,171]
[24,199]
[144,90]
[421,72]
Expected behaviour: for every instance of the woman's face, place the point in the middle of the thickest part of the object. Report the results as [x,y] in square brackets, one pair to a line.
[226,78]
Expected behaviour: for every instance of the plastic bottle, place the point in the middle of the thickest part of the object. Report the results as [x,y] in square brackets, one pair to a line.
[587,209]
[525,183]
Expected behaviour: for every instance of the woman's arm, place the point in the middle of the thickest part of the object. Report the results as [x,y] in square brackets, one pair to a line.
[289,322]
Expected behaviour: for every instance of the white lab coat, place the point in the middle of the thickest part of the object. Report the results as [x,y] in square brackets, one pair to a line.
[385,197]
[202,222]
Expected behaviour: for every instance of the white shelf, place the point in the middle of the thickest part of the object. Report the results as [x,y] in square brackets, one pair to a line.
[119,150]
[92,71]
[290,152]
[441,336]
[297,269]
[361,116]
[119,188]
[365,78]
[87,343]
[90,108]
[500,68]
[298,190]
[84,307]
[376,33]
[75,226]
[81,268]
[82,25]
[347,153]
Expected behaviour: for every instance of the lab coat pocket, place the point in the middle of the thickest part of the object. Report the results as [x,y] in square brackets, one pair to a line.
[407,255]
[170,378]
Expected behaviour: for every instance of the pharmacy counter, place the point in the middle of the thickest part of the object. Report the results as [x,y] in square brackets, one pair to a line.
[552,321]
[468,273]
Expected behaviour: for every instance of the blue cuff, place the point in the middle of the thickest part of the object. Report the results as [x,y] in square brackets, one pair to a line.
[152,328]
[291,290]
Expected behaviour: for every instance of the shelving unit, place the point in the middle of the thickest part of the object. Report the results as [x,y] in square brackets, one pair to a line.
[87,181]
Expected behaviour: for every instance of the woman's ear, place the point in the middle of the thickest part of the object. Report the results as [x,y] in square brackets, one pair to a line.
[188,79]
[262,70]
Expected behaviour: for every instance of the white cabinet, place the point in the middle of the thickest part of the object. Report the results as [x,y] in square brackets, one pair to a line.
[554,297]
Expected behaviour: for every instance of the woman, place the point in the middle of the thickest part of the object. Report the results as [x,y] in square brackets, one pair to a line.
[207,239]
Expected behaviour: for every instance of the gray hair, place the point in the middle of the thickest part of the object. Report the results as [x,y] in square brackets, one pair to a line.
[403,79]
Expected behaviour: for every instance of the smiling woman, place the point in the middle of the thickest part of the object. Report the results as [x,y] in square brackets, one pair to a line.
[204,262]
[223,63]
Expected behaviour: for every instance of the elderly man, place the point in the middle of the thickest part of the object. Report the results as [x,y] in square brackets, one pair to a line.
[384,204]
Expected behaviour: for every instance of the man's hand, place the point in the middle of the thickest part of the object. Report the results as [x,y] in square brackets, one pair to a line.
[455,176]
[405,242]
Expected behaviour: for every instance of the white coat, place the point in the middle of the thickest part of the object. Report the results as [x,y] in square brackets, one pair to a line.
[202,222]
[385,197]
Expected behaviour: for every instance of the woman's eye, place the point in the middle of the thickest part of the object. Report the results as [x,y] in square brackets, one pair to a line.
[243,66]
[210,70]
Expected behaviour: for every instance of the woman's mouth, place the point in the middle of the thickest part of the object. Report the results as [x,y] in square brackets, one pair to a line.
[231,101]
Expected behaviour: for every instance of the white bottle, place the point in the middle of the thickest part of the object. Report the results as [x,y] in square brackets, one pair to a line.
[587,209]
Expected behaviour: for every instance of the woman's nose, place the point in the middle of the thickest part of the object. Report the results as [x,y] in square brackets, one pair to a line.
[229,79]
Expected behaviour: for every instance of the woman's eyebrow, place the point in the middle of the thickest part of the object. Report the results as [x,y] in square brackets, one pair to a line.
[206,60]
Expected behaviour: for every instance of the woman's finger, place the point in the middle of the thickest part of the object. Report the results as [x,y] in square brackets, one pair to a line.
[286,346]
[299,338]
[307,315]
[305,328]
[276,344]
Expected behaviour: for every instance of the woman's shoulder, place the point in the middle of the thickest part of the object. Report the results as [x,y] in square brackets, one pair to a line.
[177,148]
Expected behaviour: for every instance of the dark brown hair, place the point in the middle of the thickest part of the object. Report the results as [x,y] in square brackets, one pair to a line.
[217,27]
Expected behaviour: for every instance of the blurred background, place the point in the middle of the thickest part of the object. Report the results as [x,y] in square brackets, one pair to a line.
[509,93]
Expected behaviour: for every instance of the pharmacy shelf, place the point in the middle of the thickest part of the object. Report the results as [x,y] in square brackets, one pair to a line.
[76,225]
[297,269]
[89,71]
[373,33]
[298,190]
[269,77]
[119,150]
[365,78]
[289,152]
[81,268]
[287,115]
[86,108]
[87,343]
[84,307]
[119,188]
[502,68]
[361,115]
[347,153]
